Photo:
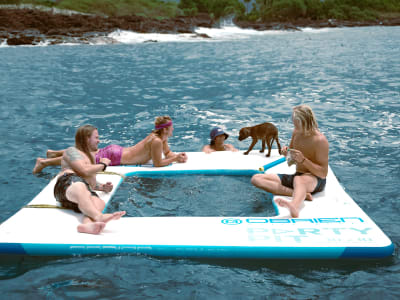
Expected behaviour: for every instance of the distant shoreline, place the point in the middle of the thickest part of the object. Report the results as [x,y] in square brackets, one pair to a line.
[34,26]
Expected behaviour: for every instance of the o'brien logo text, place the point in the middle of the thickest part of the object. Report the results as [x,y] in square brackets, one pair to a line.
[234,221]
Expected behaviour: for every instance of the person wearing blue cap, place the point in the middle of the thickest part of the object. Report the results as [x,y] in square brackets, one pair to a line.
[217,141]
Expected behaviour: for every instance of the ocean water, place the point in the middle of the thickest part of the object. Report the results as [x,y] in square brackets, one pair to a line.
[349,76]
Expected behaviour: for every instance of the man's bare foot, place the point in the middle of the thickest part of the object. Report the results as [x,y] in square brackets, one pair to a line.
[109,217]
[309,197]
[294,212]
[39,166]
[91,228]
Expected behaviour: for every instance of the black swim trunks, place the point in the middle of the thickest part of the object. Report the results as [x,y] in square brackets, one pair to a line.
[287,180]
[63,182]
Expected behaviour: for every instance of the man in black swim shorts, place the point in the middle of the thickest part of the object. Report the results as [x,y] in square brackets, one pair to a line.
[309,149]
[287,180]
[76,192]
[63,182]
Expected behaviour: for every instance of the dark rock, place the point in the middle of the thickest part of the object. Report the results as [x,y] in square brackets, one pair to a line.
[20,40]
[203,35]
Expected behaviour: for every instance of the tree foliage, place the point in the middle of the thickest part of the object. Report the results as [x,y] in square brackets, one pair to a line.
[271,10]
[217,8]
[261,10]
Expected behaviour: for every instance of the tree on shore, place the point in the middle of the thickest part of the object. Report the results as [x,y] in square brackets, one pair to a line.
[352,10]
[216,8]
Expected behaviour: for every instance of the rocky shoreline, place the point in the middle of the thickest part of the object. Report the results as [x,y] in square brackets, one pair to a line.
[33,26]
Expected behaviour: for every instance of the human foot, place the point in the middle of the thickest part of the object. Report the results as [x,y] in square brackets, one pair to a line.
[39,166]
[109,217]
[294,211]
[91,228]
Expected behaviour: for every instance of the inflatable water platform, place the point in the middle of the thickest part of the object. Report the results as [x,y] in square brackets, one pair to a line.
[332,226]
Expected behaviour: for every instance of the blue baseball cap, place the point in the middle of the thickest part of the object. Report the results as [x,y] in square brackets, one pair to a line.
[216,132]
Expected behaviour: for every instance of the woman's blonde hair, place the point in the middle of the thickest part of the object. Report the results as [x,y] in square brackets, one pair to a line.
[82,134]
[160,121]
[304,114]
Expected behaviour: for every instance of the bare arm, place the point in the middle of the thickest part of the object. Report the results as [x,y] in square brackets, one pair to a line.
[77,162]
[167,151]
[156,154]
[207,149]
[284,150]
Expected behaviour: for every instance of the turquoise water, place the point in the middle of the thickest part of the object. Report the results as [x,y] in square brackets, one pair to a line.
[350,77]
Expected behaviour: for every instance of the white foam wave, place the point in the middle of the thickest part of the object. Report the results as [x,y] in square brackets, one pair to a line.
[130,37]
[201,34]
[234,32]
[227,32]
[316,30]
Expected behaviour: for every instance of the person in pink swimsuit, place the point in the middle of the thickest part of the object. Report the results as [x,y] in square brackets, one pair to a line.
[112,152]
[153,147]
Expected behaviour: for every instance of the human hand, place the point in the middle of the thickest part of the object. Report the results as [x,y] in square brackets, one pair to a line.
[297,155]
[181,157]
[105,161]
[284,150]
[107,187]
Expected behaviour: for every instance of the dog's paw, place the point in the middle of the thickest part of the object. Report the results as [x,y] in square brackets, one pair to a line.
[261,151]
[245,153]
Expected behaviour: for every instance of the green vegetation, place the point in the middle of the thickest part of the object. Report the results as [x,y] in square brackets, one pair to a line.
[215,8]
[147,8]
[259,10]
[354,10]
[286,10]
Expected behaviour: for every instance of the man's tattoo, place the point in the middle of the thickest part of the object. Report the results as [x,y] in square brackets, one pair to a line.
[73,154]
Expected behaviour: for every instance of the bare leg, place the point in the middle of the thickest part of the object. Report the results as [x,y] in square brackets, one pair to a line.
[271,183]
[302,185]
[54,153]
[94,221]
[42,163]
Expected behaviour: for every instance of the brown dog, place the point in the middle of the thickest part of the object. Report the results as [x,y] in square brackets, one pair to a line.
[267,132]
